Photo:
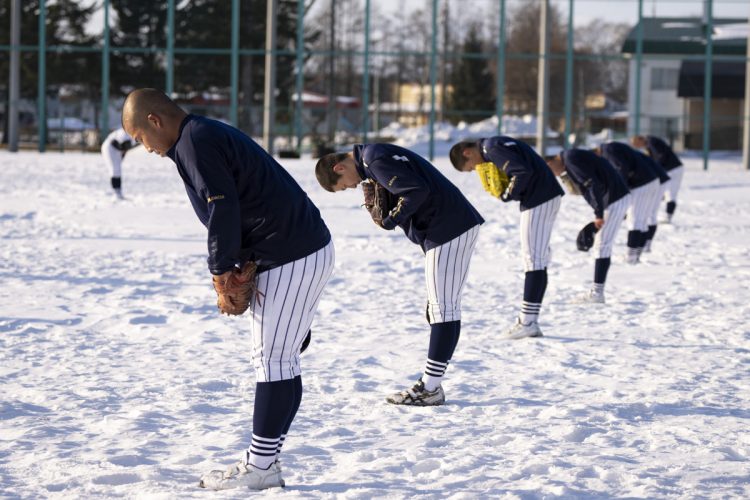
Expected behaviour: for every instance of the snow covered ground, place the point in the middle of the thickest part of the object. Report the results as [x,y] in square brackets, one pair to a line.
[119,378]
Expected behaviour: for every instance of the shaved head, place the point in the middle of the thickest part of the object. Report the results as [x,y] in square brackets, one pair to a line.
[142,102]
[152,119]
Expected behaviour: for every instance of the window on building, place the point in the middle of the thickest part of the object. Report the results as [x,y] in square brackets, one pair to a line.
[664,127]
[664,78]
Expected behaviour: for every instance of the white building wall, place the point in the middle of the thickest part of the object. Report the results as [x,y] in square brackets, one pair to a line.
[661,109]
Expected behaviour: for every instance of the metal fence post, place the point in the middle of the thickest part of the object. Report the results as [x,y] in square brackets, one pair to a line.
[269,92]
[433,77]
[569,78]
[707,83]
[638,63]
[298,84]
[235,64]
[41,93]
[14,83]
[104,125]
[366,74]
[500,101]
[169,84]
[746,113]
[542,93]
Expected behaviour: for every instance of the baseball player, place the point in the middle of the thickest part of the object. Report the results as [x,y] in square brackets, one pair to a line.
[533,184]
[642,179]
[254,211]
[661,153]
[114,148]
[653,217]
[597,180]
[434,215]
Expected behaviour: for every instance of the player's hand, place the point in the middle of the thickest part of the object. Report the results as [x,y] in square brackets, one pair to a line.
[598,223]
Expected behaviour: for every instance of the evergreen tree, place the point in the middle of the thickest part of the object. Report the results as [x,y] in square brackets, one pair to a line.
[473,92]
[66,21]
[140,24]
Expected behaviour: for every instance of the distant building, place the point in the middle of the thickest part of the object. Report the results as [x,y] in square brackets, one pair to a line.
[671,97]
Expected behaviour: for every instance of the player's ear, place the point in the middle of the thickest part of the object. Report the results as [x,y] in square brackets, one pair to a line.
[154,120]
[339,168]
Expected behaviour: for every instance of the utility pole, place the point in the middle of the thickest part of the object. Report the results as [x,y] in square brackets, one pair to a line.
[542,94]
[269,91]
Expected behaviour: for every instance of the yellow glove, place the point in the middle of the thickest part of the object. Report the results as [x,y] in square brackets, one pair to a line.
[494,180]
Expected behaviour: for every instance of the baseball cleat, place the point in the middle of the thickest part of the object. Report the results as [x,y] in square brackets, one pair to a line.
[521,330]
[418,396]
[243,475]
[590,297]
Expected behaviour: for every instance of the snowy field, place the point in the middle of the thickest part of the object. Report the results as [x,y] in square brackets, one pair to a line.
[120,380]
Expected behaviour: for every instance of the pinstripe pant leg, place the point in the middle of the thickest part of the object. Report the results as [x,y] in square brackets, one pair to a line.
[605,237]
[446,268]
[536,231]
[283,315]
[640,206]
[674,183]
[655,201]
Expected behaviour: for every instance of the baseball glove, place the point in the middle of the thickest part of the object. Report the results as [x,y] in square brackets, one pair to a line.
[585,239]
[236,289]
[494,180]
[378,201]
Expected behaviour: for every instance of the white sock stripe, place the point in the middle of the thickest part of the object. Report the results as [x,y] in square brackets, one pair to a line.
[265,440]
[437,363]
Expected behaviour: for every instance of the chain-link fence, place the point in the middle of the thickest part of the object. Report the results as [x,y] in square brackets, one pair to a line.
[356,70]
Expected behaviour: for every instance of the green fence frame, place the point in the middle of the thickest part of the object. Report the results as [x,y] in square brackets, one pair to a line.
[300,53]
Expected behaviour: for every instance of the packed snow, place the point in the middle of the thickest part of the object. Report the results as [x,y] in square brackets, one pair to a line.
[121,380]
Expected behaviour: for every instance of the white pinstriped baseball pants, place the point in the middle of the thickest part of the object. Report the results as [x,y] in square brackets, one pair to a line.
[283,315]
[445,271]
[674,183]
[642,201]
[536,230]
[605,237]
[653,217]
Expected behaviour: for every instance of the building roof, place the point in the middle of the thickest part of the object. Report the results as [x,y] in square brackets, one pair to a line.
[727,80]
[685,36]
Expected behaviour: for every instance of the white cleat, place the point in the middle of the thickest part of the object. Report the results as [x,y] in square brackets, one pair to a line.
[418,396]
[521,330]
[243,475]
[590,297]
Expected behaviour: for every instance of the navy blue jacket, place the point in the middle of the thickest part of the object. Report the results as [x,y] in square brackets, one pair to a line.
[660,171]
[635,167]
[661,153]
[253,209]
[432,210]
[532,182]
[596,178]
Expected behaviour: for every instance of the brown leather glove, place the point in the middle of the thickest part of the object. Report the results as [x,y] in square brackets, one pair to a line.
[236,288]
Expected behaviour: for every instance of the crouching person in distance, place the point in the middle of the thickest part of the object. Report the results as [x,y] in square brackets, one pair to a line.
[434,215]
[534,186]
[597,180]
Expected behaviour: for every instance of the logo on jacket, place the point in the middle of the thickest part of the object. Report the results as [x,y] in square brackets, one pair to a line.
[400,158]
[393,179]
[214,198]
